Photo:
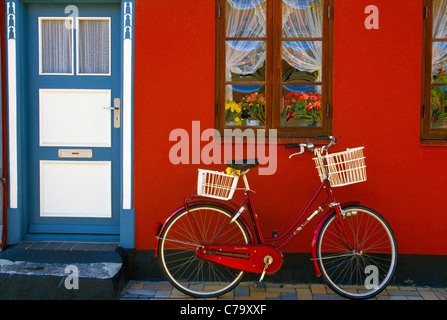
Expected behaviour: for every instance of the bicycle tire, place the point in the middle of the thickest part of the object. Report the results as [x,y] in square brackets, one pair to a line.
[177,251]
[364,271]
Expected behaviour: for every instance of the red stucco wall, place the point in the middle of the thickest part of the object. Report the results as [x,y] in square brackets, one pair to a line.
[376,104]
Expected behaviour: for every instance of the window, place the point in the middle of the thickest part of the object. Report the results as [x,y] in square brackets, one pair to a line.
[434,85]
[273,66]
[56,46]
[94,46]
[56,43]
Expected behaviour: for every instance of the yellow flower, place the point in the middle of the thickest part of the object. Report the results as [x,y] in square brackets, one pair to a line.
[233,106]
[238,121]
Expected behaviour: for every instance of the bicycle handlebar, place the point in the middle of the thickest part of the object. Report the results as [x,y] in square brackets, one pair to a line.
[310,146]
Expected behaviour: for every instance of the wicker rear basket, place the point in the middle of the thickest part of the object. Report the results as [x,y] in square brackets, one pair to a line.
[217,185]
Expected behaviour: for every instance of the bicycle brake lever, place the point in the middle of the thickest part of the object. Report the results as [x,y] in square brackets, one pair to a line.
[295,154]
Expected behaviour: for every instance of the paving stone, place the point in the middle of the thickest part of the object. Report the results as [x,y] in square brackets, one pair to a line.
[137,285]
[263,295]
[403,293]
[441,293]
[289,296]
[142,292]
[318,289]
[304,294]
[428,295]
[398,298]
[320,296]
[243,291]
[163,294]
[256,288]
[158,286]
[336,297]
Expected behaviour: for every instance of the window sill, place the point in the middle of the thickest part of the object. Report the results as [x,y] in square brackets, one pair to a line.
[434,143]
[298,140]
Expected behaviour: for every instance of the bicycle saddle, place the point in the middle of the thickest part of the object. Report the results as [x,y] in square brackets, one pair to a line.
[244,164]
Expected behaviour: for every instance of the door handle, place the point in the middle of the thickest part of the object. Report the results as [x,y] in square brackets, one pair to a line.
[116,112]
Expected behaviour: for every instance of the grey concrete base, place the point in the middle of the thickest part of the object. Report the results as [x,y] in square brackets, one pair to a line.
[36,274]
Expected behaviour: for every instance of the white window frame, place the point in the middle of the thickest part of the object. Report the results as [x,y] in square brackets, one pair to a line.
[40,47]
[110,46]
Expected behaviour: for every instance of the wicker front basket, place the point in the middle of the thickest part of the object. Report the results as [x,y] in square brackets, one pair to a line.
[345,167]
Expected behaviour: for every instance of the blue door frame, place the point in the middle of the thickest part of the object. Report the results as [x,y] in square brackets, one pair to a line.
[18,212]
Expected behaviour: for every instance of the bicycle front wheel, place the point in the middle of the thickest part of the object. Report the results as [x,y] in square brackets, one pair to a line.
[360,263]
[177,251]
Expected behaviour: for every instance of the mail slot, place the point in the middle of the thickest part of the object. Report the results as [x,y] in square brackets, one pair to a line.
[75,153]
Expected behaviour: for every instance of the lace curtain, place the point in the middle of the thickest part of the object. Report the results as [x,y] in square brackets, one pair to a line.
[439,51]
[56,47]
[247,19]
[303,19]
[94,46]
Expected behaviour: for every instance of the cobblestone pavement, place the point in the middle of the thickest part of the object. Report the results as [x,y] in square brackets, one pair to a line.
[143,290]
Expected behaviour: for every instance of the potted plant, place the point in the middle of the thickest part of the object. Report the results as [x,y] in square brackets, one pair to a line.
[301,106]
[438,100]
[253,108]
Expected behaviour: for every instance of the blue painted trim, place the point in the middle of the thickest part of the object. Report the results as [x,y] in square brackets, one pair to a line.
[71,237]
[127,229]
[74,229]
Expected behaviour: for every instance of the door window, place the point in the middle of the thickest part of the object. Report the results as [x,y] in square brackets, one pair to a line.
[93,46]
[56,46]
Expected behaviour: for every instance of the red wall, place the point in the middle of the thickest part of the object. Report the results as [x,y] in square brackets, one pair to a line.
[376,92]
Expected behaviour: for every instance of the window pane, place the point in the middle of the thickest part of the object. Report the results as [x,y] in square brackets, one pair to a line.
[438,107]
[439,61]
[246,18]
[94,46]
[300,106]
[302,18]
[439,19]
[245,105]
[245,60]
[56,46]
[302,59]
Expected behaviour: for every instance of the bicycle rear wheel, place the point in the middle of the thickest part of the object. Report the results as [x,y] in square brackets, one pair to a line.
[177,251]
[360,265]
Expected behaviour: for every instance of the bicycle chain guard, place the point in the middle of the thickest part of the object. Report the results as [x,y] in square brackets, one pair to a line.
[249,257]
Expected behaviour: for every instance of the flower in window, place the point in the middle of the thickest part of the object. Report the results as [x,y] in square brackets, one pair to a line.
[233,112]
[301,105]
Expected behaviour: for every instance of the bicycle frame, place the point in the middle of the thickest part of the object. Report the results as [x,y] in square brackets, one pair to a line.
[294,228]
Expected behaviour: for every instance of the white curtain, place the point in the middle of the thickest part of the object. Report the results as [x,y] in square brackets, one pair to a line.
[245,19]
[303,19]
[94,46]
[56,47]
[439,51]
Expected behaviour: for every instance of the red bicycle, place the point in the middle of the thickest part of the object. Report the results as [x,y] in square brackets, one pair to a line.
[206,247]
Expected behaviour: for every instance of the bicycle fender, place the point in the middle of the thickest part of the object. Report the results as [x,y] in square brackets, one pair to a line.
[228,205]
[317,232]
